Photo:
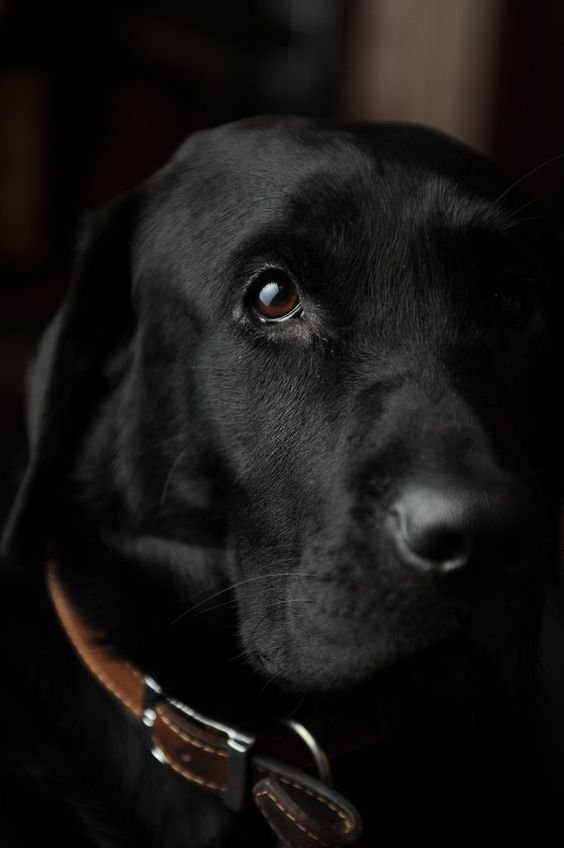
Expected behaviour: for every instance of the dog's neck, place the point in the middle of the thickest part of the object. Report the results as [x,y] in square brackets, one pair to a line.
[112,748]
[101,742]
[101,588]
[220,758]
[156,601]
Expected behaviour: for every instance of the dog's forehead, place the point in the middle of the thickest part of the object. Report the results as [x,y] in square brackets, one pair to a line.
[339,195]
[254,166]
[288,147]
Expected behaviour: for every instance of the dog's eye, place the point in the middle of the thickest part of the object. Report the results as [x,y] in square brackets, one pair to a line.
[274,297]
[512,304]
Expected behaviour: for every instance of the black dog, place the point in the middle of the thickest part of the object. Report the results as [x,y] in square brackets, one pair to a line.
[293,454]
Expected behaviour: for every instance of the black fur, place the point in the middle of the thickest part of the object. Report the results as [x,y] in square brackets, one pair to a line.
[218,491]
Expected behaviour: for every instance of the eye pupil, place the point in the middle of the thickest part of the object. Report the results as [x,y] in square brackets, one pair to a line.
[275,298]
[274,295]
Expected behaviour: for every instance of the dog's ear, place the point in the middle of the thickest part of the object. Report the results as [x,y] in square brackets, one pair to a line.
[67,376]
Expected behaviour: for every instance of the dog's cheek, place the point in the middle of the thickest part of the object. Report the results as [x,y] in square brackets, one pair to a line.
[266,402]
[263,634]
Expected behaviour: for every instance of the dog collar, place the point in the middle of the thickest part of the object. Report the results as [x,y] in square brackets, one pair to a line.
[304,812]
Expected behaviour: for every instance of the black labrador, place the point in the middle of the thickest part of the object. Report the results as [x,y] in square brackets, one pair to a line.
[292,455]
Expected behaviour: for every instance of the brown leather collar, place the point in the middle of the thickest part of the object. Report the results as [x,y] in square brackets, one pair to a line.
[303,811]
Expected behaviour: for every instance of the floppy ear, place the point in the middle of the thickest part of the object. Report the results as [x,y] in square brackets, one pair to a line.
[66,377]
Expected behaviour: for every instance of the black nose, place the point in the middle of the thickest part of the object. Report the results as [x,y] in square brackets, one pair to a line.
[444,525]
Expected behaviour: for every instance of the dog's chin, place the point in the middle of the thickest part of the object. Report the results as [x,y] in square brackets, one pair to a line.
[419,692]
[318,666]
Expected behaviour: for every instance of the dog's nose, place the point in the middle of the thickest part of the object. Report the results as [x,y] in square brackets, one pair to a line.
[443,527]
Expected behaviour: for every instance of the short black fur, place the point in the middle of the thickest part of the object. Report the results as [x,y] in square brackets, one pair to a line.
[218,491]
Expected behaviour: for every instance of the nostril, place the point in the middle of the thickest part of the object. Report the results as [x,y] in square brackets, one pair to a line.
[429,535]
[439,544]
[443,527]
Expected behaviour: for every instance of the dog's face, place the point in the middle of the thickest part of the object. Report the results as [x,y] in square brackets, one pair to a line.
[336,362]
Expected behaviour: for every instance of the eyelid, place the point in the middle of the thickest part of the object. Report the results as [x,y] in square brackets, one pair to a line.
[263,268]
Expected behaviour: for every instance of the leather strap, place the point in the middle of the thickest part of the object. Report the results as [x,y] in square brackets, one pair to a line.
[303,811]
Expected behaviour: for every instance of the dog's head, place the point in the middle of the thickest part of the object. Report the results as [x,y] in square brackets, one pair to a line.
[328,353]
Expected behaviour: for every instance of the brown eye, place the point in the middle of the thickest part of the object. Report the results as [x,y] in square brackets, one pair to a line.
[275,298]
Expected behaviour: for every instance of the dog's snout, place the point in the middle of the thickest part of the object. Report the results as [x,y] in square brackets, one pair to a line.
[443,527]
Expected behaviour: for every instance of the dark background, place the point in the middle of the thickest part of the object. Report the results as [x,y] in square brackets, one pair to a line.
[96,94]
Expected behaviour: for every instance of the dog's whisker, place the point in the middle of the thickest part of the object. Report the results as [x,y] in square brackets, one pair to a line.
[530,173]
[248,652]
[286,602]
[241,655]
[281,603]
[526,205]
[257,625]
[252,652]
[225,604]
[296,709]
[233,586]
[269,681]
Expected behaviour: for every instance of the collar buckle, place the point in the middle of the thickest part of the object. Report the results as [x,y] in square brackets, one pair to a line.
[152,694]
[239,746]
[238,743]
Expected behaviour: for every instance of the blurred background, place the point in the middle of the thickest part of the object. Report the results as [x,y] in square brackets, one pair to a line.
[96,94]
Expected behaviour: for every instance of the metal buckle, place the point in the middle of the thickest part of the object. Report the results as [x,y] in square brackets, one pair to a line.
[152,694]
[319,756]
[238,742]
[237,776]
